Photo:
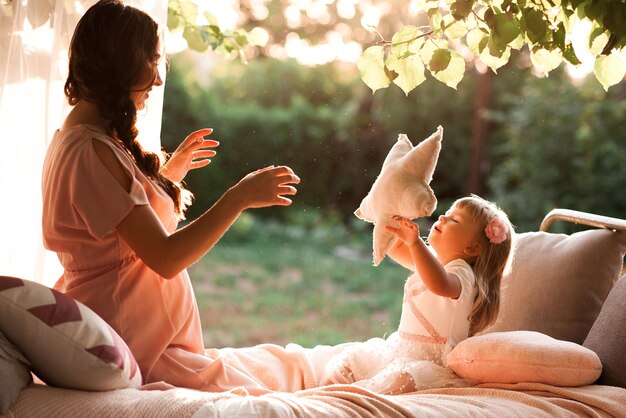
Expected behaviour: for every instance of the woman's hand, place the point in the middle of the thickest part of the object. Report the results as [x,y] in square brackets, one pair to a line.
[192,153]
[161,385]
[265,187]
[407,231]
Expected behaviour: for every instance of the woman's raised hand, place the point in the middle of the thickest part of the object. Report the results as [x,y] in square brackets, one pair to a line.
[265,187]
[192,153]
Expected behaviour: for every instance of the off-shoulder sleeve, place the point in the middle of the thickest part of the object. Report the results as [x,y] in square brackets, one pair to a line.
[459,327]
[464,272]
[96,196]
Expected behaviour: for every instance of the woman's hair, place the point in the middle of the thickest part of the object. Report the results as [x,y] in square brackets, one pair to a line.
[113,46]
[490,263]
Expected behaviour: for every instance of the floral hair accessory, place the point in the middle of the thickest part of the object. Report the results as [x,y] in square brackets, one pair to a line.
[496,230]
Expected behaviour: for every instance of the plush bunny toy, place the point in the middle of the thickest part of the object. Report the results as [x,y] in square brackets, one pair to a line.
[402,188]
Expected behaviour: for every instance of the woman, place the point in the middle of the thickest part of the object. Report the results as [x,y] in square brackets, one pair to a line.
[110,208]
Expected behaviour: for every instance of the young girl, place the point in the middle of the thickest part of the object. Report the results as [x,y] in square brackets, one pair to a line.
[452,294]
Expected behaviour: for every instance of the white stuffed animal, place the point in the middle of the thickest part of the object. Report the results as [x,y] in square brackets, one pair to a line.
[402,188]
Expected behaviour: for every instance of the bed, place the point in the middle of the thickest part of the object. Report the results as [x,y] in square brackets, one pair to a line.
[565,289]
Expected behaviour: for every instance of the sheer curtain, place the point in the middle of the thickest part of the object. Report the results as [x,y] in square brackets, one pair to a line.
[34,38]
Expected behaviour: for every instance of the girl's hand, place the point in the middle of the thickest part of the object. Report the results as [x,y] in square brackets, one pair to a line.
[407,231]
[192,153]
[265,187]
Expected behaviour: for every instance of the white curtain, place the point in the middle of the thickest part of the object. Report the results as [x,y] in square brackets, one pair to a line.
[34,39]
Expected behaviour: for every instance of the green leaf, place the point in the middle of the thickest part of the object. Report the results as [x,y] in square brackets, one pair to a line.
[210,18]
[429,48]
[506,28]
[434,18]
[372,68]
[410,71]
[453,74]
[558,36]
[609,70]
[476,40]
[488,17]
[460,9]
[440,60]
[546,61]
[188,11]
[580,9]
[259,36]
[406,41]
[173,22]
[194,39]
[391,75]
[595,9]
[570,55]
[229,45]
[494,47]
[597,40]
[454,29]
[536,26]
[211,35]
[495,62]
[517,43]
[241,38]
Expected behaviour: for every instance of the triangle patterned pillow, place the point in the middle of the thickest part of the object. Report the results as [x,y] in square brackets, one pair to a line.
[67,344]
[402,188]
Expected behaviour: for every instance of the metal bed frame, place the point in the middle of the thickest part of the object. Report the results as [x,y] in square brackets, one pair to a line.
[582,218]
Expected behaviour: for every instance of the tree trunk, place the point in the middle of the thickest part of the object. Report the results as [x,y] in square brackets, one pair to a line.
[479,161]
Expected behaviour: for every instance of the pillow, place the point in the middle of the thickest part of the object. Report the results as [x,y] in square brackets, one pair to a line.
[524,356]
[607,337]
[557,283]
[67,344]
[14,374]
[402,188]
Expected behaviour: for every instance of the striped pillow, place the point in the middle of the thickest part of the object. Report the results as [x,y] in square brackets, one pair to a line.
[67,344]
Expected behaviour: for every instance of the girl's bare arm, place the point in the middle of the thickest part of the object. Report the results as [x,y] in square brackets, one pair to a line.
[434,276]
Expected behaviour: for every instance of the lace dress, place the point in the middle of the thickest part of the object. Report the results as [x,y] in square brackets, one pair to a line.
[413,358]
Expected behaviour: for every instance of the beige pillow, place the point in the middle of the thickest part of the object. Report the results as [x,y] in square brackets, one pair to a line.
[524,356]
[558,283]
[607,337]
[65,342]
[402,188]
[14,374]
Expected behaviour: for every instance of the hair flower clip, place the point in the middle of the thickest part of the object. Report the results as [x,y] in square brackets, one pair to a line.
[496,230]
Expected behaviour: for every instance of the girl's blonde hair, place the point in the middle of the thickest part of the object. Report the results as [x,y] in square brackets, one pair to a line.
[489,264]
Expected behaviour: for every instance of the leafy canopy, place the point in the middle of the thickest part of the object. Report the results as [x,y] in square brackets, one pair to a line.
[491,29]
[183,15]
[485,30]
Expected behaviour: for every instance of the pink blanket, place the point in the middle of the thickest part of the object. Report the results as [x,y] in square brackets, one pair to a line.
[522,400]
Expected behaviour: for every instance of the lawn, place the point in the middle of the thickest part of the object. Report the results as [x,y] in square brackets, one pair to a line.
[308,283]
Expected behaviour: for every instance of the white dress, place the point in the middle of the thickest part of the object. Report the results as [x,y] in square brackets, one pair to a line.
[413,358]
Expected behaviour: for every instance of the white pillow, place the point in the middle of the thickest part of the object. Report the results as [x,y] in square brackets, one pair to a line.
[14,374]
[66,343]
[402,188]
[524,356]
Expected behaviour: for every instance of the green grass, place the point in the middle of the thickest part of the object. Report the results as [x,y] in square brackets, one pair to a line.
[309,282]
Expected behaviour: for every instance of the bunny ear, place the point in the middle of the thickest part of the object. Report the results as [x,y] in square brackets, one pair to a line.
[383,242]
[401,148]
[426,154]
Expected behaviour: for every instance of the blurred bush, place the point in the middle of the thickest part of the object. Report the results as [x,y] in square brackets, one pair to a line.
[323,122]
[552,144]
[559,145]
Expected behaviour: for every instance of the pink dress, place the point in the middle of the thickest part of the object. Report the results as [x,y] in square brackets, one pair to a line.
[158,318]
